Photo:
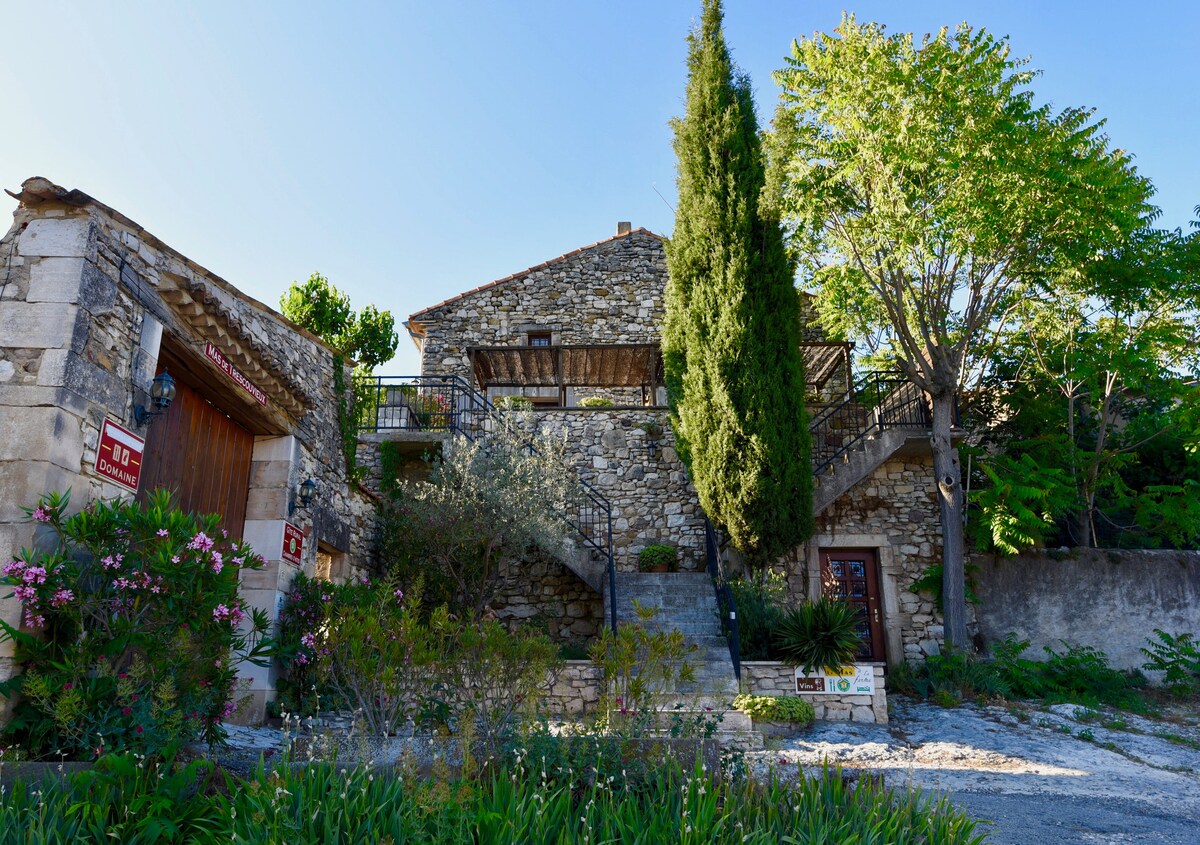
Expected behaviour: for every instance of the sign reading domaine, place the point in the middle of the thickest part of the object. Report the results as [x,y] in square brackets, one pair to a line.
[213,354]
[119,455]
[851,680]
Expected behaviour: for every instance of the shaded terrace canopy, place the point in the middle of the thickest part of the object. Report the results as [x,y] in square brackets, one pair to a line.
[613,365]
[598,365]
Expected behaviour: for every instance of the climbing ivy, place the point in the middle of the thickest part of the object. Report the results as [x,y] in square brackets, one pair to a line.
[348,421]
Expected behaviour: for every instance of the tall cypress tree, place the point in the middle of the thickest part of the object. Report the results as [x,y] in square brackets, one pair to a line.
[731,342]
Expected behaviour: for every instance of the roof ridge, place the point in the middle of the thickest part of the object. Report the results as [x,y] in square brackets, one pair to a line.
[639,230]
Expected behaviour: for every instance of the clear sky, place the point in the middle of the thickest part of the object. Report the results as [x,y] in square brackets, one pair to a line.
[412,150]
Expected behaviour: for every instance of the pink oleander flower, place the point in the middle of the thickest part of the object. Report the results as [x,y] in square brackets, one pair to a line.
[13,567]
[41,514]
[218,562]
[224,534]
[238,561]
[34,574]
[25,594]
[228,709]
[399,594]
[111,562]
[174,558]
[33,620]
[200,542]
[309,640]
[162,532]
[61,597]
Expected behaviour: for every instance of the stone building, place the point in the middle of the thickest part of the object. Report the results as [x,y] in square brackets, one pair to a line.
[578,337]
[92,308]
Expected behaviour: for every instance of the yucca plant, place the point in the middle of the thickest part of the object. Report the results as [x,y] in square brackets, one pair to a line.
[820,633]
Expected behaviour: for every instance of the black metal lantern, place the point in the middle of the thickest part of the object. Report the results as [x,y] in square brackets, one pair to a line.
[307,490]
[305,493]
[162,393]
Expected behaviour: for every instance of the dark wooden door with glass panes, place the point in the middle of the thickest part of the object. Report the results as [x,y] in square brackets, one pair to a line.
[853,575]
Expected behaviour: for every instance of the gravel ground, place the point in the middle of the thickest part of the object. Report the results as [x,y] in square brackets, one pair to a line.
[1065,774]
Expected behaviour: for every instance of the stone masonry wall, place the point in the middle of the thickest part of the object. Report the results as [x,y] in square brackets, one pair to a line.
[545,593]
[771,677]
[652,499]
[576,690]
[608,293]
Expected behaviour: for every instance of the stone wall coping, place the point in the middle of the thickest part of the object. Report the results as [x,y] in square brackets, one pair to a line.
[782,663]
[601,409]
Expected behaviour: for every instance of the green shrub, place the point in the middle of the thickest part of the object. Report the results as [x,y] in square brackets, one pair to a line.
[1079,675]
[820,634]
[595,402]
[142,629]
[640,665]
[762,602]
[513,403]
[657,555]
[776,708]
[1178,657]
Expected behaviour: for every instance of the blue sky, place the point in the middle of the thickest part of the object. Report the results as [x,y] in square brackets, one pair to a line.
[410,151]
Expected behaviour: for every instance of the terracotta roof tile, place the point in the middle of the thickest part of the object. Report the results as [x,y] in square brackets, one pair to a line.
[533,269]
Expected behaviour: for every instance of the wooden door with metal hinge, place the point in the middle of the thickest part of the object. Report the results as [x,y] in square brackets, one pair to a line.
[853,575]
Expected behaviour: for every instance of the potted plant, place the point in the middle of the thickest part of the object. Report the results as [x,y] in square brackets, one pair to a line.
[657,558]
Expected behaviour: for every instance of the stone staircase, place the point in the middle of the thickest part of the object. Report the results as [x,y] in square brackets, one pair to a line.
[856,464]
[685,602]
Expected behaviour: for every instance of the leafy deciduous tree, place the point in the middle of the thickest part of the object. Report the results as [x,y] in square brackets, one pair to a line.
[368,337]
[927,194]
[731,341]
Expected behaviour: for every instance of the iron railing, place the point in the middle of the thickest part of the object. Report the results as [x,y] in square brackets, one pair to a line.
[450,404]
[726,605]
[879,401]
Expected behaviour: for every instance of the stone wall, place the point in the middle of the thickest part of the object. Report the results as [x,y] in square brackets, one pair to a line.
[609,293]
[545,593]
[1102,598]
[652,499]
[576,690]
[771,677]
[89,304]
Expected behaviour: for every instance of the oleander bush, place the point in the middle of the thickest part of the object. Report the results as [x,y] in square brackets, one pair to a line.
[133,629]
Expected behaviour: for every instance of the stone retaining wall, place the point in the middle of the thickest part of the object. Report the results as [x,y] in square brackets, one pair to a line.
[576,690]
[771,677]
[1108,599]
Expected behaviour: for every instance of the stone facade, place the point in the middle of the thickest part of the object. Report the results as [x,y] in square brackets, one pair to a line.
[89,304]
[610,292]
[652,499]
[771,677]
[545,593]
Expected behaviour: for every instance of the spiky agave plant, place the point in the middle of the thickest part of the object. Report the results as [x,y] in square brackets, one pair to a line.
[820,633]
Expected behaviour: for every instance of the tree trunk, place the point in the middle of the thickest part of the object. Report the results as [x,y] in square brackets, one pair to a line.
[948,471]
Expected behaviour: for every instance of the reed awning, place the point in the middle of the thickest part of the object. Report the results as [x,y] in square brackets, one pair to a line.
[607,365]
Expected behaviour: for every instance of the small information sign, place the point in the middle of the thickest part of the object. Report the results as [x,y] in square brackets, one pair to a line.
[849,680]
[293,544]
[119,455]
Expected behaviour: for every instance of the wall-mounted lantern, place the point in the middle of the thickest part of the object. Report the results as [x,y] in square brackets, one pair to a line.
[162,393]
[305,494]
[653,432]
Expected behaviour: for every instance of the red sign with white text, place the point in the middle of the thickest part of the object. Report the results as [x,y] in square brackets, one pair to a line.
[293,544]
[224,365]
[119,455]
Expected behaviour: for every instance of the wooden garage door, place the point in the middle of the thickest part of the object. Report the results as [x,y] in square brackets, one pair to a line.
[200,455]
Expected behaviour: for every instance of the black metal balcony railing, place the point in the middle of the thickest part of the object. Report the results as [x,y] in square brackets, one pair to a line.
[451,405]
[879,401]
